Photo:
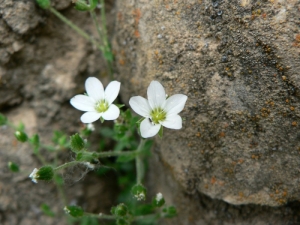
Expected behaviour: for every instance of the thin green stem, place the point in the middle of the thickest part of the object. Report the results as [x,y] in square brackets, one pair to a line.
[41,158]
[94,17]
[103,22]
[68,164]
[61,192]
[112,154]
[100,216]
[76,28]
[149,216]
[105,41]
[140,169]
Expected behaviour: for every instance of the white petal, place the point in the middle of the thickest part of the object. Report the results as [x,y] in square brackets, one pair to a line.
[140,105]
[90,117]
[148,129]
[175,104]
[112,113]
[173,122]
[156,94]
[83,103]
[94,88]
[112,91]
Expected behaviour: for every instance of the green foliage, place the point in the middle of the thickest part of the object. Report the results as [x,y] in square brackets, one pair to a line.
[3,119]
[46,210]
[169,212]
[122,132]
[75,211]
[60,139]
[76,143]
[13,167]
[35,142]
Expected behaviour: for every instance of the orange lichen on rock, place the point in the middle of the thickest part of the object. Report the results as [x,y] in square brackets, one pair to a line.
[137,16]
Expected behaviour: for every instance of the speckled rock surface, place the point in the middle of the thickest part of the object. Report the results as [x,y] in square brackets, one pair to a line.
[238,62]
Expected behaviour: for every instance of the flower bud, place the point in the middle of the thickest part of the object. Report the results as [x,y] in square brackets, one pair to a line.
[3,119]
[120,210]
[13,167]
[76,142]
[159,200]
[44,4]
[21,136]
[139,192]
[81,5]
[75,211]
[43,173]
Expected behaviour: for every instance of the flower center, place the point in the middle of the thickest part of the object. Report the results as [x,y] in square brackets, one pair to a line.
[158,115]
[101,106]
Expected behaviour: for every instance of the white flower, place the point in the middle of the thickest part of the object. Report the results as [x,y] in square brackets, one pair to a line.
[158,110]
[158,197]
[34,175]
[98,103]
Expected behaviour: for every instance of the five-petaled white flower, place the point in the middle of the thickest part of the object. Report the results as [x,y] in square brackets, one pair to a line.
[158,110]
[97,103]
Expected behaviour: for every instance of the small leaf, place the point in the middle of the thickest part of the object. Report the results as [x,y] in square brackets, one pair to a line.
[46,210]
[84,156]
[75,211]
[35,140]
[120,105]
[170,212]
[160,132]
[3,119]
[101,119]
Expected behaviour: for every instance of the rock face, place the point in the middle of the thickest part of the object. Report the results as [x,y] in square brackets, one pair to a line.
[238,62]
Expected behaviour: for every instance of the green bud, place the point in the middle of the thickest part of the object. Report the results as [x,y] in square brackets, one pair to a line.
[121,210]
[3,119]
[122,222]
[43,173]
[139,192]
[44,4]
[75,211]
[13,167]
[82,5]
[158,201]
[76,142]
[21,136]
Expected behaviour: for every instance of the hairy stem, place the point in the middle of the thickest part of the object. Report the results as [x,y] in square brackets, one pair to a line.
[75,28]
[140,169]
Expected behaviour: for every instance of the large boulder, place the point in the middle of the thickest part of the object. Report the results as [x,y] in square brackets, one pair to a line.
[238,63]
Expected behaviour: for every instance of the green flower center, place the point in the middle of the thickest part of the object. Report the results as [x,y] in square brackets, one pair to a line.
[158,115]
[101,106]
